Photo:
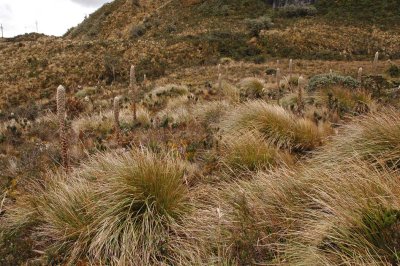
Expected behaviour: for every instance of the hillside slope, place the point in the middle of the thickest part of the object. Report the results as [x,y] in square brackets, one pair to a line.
[161,37]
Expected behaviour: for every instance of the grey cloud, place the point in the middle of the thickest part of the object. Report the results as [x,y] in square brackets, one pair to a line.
[91,3]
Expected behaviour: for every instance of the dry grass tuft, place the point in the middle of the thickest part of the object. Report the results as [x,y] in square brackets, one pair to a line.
[249,152]
[209,114]
[116,209]
[252,87]
[374,138]
[278,126]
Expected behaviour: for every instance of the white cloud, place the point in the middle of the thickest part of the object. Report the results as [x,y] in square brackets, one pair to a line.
[5,11]
[90,3]
[54,17]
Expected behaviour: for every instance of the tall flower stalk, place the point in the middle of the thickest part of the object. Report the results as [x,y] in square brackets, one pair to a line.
[61,115]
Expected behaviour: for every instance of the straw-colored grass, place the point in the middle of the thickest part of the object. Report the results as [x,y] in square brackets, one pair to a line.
[252,87]
[278,126]
[249,151]
[116,209]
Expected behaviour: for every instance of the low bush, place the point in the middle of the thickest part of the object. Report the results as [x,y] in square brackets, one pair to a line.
[394,71]
[138,30]
[328,80]
[293,11]
[256,25]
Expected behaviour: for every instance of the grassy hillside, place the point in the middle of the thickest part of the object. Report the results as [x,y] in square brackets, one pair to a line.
[242,136]
[380,13]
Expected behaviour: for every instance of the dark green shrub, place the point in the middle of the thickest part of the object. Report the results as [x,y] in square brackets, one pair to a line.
[327,80]
[381,229]
[138,31]
[258,24]
[153,67]
[293,11]
[394,71]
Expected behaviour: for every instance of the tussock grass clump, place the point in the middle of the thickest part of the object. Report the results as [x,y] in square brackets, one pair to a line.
[249,151]
[86,91]
[346,101]
[242,223]
[116,209]
[141,194]
[252,87]
[209,114]
[57,214]
[230,91]
[356,217]
[158,97]
[174,117]
[176,113]
[374,138]
[278,126]
[103,123]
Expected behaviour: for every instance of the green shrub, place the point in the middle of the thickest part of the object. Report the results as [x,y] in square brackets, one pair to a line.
[394,71]
[327,80]
[258,24]
[381,229]
[292,11]
[86,91]
[152,66]
[138,31]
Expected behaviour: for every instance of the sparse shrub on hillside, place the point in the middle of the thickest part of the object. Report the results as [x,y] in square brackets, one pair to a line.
[331,79]
[112,67]
[394,71]
[138,30]
[151,66]
[256,25]
[135,3]
[224,43]
[292,11]
[86,91]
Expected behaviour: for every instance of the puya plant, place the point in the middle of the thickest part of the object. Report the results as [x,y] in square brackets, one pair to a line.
[375,64]
[61,115]
[133,87]
[300,104]
[116,119]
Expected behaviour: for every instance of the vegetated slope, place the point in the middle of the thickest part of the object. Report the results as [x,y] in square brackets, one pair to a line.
[380,13]
[239,168]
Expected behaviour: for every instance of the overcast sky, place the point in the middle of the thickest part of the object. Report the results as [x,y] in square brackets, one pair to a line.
[54,17]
